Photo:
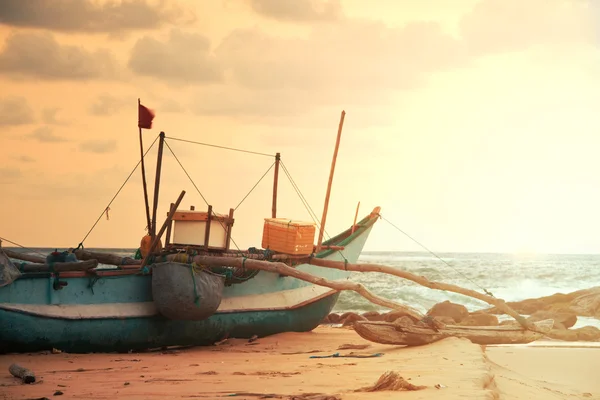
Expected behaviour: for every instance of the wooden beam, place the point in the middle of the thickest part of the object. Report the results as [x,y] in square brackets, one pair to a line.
[24,257]
[501,304]
[327,195]
[168,235]
[283,269]
[26,375]
[275,182]
[105,258]
[161,143]
[162,229]
[229,225]
[207,227]
[59,266]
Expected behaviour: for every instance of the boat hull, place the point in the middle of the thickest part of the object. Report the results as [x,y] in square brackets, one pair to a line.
[29,333]
[115,311]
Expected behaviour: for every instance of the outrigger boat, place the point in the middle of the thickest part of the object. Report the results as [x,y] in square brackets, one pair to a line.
[68,302]
[196,290]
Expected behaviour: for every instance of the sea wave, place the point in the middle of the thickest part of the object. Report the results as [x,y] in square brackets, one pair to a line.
[506,276]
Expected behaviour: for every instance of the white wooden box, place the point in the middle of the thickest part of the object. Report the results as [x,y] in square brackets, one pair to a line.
[189,228]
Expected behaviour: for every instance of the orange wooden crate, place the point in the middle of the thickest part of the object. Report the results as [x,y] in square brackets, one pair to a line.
[287,236]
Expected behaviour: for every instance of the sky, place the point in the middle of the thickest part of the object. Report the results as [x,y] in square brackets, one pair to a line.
[472,123]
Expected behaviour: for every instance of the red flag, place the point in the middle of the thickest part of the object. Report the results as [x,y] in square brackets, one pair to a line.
[145,117]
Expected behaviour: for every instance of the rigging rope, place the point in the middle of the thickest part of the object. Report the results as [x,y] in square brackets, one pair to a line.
[221,147]
[115,196]
[185,171]
[438,257]
[254,187]
[309,209]
[200,193]
[23,247]
[307,206]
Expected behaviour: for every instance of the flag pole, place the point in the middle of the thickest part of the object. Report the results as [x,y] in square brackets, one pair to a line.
[149,224]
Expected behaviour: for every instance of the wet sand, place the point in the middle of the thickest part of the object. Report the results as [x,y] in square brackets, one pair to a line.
[281,366]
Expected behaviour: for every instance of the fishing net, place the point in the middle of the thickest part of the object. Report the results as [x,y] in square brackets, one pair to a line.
[185,292]
[8,271]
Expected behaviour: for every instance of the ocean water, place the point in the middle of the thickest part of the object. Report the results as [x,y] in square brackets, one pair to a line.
[511,277]
[507,276]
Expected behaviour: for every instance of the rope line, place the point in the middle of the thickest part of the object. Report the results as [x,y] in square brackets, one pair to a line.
[23,247]
[118,191]
[221,147]
[185,171]
[254,187]
[438,257]
[201,195]
[307,206]
[309,209]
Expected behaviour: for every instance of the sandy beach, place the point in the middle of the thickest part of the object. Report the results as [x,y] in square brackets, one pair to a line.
[281,366]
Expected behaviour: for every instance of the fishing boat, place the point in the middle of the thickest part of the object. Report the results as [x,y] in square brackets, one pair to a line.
[81,301]
[414,335]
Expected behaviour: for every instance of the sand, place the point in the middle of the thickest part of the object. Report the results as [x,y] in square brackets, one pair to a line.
[547,370]
[281,365]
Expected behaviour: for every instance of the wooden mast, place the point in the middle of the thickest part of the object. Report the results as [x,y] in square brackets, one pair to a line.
[157,183]
[335,152]
[275,180]
[148,222]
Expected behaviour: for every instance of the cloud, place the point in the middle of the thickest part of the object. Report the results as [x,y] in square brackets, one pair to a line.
[107,104]
[39,55]
[365,64]
[49,117]
[87,16]
[15,111]
[495,26]
[351,63]
[183,58]
[46,134]
[24,158]
[10,175]
[98,146]
[170,105]
[351,54]
[298,10]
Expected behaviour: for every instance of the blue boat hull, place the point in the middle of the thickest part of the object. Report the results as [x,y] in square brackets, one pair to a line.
[22,332]
[114,311]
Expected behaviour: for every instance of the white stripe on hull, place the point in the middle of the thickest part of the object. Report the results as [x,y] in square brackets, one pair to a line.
[282,300]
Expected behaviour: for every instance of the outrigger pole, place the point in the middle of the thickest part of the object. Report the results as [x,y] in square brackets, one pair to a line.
[335,152]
